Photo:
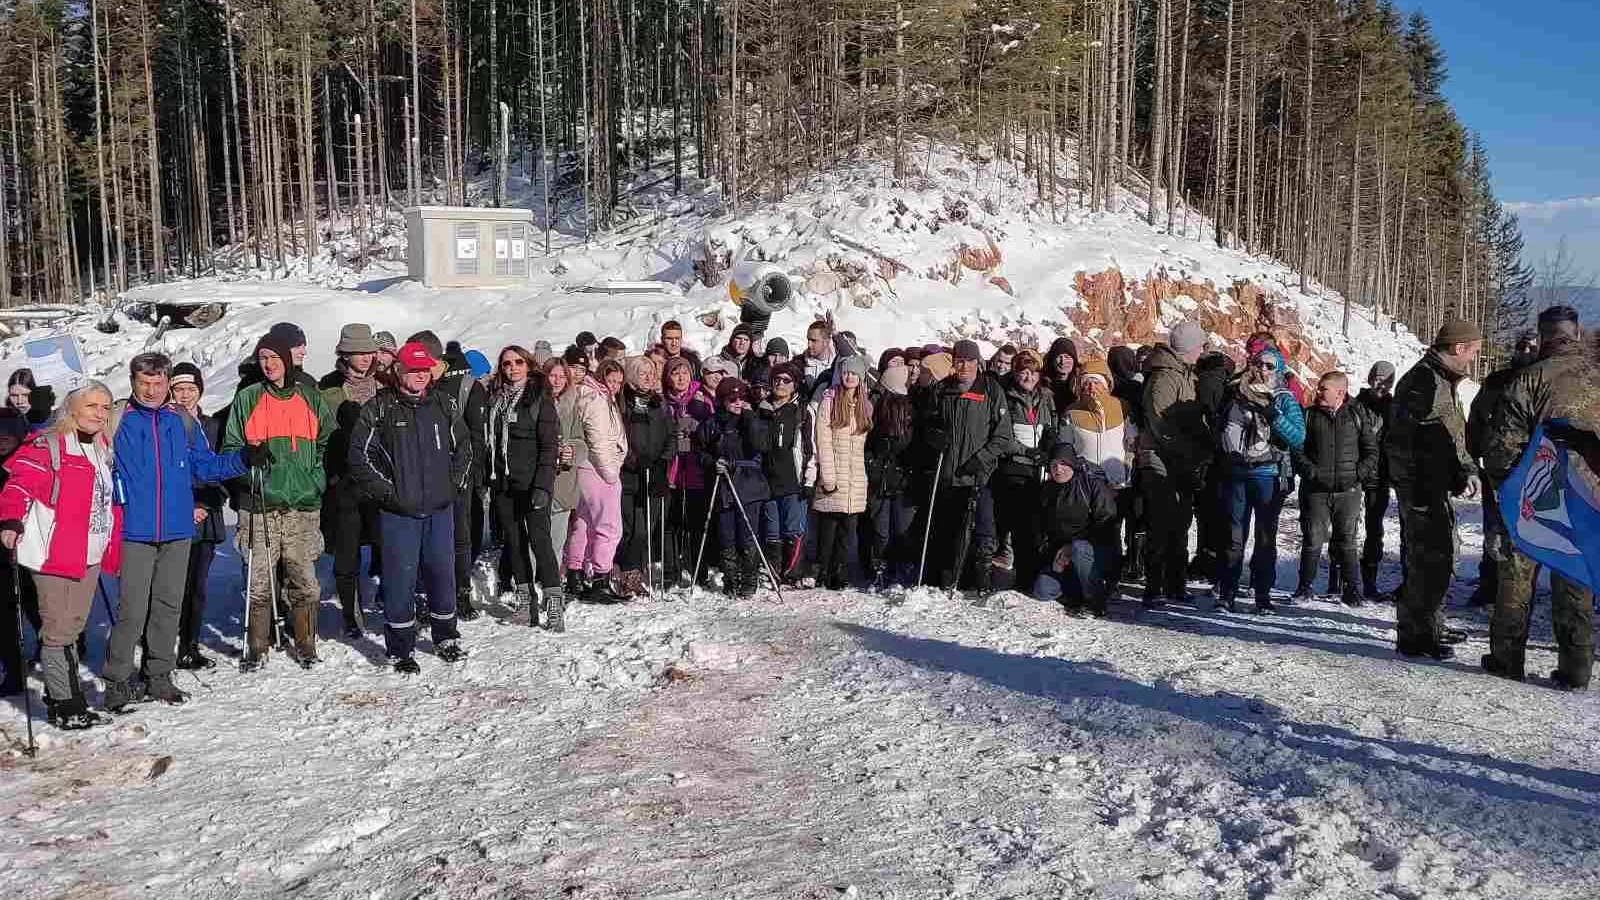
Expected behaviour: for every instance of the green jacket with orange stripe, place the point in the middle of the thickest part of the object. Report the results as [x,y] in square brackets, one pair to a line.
[295,424]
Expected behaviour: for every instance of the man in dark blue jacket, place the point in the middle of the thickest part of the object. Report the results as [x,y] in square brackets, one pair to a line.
[158,463]
[411,453]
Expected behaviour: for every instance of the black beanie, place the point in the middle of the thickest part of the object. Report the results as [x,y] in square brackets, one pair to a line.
[189,372]
[280,344]
[290,332]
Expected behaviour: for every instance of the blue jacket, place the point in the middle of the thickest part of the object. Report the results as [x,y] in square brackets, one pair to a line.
[158,465]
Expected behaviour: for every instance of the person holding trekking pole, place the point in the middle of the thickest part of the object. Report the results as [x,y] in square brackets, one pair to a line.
[965,418]
[59,516]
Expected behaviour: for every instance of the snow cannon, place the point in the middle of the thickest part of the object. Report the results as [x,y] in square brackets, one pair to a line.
[759,290]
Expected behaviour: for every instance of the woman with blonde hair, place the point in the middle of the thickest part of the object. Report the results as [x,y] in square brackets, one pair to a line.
[65,475]
[843,419]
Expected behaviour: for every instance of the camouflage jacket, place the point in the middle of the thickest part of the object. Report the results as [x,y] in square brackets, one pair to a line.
[1563,385]
[1426,442]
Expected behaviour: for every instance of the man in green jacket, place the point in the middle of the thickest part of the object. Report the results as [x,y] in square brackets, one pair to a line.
[1426,446]
[280,519]
[1175,447]
[1563,384]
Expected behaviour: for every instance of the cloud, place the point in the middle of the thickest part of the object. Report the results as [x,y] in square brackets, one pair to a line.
[1547,224]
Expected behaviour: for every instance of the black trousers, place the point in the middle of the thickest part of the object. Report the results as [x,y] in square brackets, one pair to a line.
[685,523]
[193,615]
[963,539]
[1326,516]
[835,533]
[894,541]
[349,523]
[469,514]
[13,591]
[524,529]
[637,520]
[1169,508]
[1016,504]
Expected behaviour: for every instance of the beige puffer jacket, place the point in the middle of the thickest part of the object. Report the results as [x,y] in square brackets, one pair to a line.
[841,462]
[604,431]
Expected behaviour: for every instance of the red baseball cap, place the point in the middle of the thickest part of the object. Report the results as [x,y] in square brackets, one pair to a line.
[414,357]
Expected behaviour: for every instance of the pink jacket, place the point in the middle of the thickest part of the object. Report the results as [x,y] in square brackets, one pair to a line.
[603,430]
[687,410]
[29,481]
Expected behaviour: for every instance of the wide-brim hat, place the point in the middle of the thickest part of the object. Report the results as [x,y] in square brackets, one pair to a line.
[356,338]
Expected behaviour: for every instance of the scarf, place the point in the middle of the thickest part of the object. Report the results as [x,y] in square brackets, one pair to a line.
[505,400]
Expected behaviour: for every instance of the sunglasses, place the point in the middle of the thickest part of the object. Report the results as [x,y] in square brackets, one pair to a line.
[783,379]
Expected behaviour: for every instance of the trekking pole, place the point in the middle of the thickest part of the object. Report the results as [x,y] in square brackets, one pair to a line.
[249,567]
[755,539]
[649,557]
[927,531]
[705,533]
[27,700]
[105,599]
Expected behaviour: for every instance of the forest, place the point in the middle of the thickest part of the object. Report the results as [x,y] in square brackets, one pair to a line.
[154,139]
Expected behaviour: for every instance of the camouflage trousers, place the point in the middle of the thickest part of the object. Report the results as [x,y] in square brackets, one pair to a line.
[1571,613]
[282,543]
[1428,532]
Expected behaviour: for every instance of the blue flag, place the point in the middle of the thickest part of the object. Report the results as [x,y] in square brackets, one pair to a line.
[1552,512]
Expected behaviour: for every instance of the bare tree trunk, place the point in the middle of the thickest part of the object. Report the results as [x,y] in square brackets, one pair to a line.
[158,254]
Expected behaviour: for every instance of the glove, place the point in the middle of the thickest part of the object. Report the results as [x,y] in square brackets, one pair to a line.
[256,456]
[540,498]
[972,468]
[722,467]
[937,439]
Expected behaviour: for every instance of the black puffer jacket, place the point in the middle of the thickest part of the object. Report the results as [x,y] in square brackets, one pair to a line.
[742,442]
[1083,509]
[410,454]
[972,428]
[1340,452]
[650,442]
[888,465]
[1034,430]
[532,440]
[1374,411]
[791,466]
[473,402]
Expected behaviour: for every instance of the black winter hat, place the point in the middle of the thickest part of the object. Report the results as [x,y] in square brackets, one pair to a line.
[188,373]
[281,344]
[777,345]
[294,334]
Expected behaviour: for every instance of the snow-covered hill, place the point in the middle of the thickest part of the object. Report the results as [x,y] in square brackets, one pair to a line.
[968,249]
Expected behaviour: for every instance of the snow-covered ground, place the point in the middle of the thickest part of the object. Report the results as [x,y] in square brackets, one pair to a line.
[832,745]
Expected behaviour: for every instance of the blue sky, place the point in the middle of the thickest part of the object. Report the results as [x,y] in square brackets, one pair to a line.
[1525,75]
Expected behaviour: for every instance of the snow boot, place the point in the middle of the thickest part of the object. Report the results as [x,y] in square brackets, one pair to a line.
[1134,571]
[1575,665]
[601,590]
[407,666]
[305,636]
[555,609]
[1562,681]
[1369,582]
[773,551]
[576,584]
[880,576]
[1352,598]
[450,651]
[1494,666]
[732,572]
[751,572]
[192,660]
[72,714]
[465,611]
[118,696]
[160,687]
[524,600]
[1415,650]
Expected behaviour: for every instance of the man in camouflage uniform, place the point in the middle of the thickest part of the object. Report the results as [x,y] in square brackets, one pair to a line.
[1426,446]
[1563,384]
[1496,542]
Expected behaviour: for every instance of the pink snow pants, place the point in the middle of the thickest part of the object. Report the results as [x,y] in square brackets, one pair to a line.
[596,527]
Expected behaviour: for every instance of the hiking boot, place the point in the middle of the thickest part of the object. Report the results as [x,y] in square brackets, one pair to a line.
[1432,651]
[1352,599]
[450,651]
[1264,606]
[407,666]
[160,687]
[1302,594]
[192,660]
[555,609]
[72,714]
[118,697]
[1492,664]
[465,611]
[523,595]
[1562,681]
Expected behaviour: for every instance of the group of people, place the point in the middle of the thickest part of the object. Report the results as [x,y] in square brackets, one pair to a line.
[601,475]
